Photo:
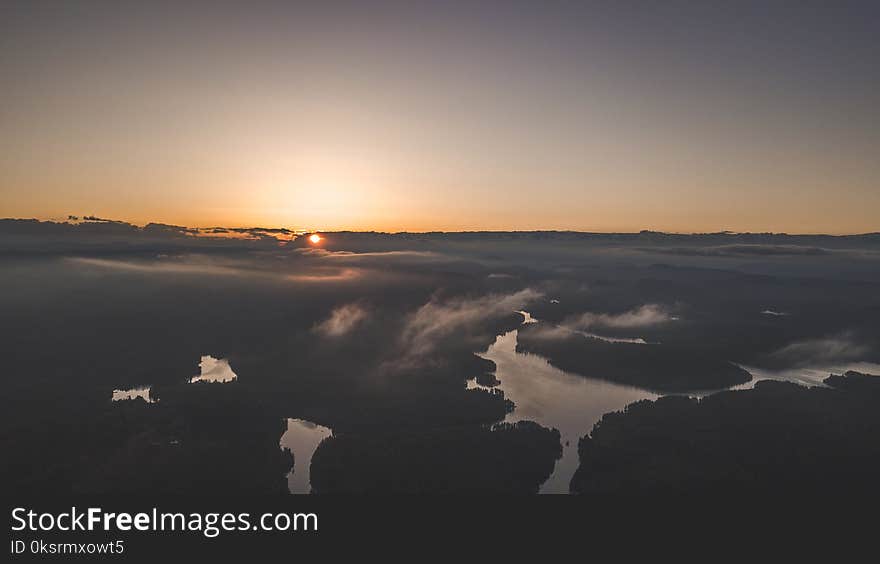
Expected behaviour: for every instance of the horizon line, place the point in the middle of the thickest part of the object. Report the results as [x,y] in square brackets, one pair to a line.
[91,219]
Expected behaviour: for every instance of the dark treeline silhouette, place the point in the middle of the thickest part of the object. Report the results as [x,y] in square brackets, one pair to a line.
[202,440]
[508,457]
[670,368]
[777,437]
[98,234]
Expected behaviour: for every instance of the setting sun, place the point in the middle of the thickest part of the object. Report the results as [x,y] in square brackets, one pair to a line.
[315,238]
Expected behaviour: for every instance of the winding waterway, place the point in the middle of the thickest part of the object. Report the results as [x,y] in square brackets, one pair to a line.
[541,392]
[555,398]
[573,404]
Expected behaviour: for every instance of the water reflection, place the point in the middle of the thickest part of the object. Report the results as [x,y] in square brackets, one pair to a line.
[142,392]
[630,340]
[806,376]
[527,317]
[555,398]
[774,313]
[302,438]
[214,370]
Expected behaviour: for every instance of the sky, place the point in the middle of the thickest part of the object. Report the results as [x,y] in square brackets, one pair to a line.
[497,115]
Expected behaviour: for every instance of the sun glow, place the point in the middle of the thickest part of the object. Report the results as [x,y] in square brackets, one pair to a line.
[315,238]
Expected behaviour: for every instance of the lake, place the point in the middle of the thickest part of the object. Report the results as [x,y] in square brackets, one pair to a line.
[554,398]
[302,438]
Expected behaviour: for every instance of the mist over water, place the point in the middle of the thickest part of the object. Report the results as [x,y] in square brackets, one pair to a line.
[807,376]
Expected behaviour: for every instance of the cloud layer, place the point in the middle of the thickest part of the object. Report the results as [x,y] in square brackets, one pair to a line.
[438,319]
[643,316]
[342,320]
[821,352]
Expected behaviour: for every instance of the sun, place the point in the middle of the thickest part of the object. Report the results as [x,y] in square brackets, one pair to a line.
[315,238]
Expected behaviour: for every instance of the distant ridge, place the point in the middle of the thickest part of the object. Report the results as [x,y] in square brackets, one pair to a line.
[95,224]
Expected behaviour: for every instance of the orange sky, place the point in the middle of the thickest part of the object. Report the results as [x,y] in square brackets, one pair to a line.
[436,119]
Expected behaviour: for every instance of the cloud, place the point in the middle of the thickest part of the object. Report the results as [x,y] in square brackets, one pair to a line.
[743,250]
[436,319]
[427,255]
[197,265]
[552,332]
[820,352]
[159,266]
[342,320]
[326,275]
[583,324]
[377,259]
[644,316]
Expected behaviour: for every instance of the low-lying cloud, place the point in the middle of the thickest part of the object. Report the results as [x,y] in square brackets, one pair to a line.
[325,275]
[160,266]
[342,320]
[823,351]
[438,319]
[591,324]
[643,316]
[197,265]
[742,250]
